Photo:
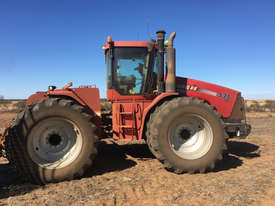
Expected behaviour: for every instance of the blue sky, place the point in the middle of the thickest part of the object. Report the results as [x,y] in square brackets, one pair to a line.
[53,42]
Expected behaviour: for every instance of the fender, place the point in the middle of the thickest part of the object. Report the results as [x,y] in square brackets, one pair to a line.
[88,97]
[147,110]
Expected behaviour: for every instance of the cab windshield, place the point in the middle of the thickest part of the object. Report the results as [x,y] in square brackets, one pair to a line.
[129,70]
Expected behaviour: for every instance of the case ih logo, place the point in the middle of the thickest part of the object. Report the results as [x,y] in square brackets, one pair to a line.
[224,96]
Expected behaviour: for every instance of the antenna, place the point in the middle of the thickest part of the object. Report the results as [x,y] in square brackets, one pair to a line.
[148,30]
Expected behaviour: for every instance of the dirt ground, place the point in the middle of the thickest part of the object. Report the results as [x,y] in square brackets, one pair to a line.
[127,174]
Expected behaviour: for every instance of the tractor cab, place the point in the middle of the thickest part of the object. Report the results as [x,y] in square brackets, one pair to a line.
[131,68]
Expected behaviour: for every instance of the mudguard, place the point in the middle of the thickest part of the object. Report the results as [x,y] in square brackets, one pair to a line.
[88,97]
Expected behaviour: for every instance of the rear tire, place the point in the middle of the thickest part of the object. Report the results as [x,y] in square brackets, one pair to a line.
[51,141]
[186,135]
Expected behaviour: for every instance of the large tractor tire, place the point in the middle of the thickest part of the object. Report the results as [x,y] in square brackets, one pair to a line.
[186,135]
[51,141]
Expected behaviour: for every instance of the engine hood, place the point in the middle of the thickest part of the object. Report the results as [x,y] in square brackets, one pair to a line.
[222,98]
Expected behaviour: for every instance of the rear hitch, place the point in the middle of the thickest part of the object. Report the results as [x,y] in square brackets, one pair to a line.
[3,138]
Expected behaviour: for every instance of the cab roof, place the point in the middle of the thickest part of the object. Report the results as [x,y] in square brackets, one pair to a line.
[127,44]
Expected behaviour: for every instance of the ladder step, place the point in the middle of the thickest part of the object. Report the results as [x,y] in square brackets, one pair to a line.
[126,113]
[126,126]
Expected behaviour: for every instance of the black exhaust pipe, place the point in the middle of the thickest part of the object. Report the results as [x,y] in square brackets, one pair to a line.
[170,84]
[160,62]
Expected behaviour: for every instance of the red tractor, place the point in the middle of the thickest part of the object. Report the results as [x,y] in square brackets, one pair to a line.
[185,122]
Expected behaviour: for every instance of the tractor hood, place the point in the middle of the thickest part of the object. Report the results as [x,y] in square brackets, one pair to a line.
[221,97]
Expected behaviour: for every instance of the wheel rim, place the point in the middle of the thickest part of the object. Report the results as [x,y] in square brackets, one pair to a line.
[54,143]
[190,137]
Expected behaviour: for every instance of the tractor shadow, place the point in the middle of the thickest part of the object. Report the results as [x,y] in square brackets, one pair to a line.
[236,151]
[11,184]
[115,157]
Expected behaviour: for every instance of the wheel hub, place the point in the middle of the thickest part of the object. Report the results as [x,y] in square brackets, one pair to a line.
[183,134]
[190,137]
[54,143]
[54,139]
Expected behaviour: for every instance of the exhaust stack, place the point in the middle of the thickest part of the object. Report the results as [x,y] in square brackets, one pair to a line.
[170,84]
[160,57]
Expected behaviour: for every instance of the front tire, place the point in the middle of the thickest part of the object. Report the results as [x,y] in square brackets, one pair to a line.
[186,135]
[51,141]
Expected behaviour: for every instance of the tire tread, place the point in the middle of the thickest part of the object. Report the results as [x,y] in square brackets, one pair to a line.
[154,123]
